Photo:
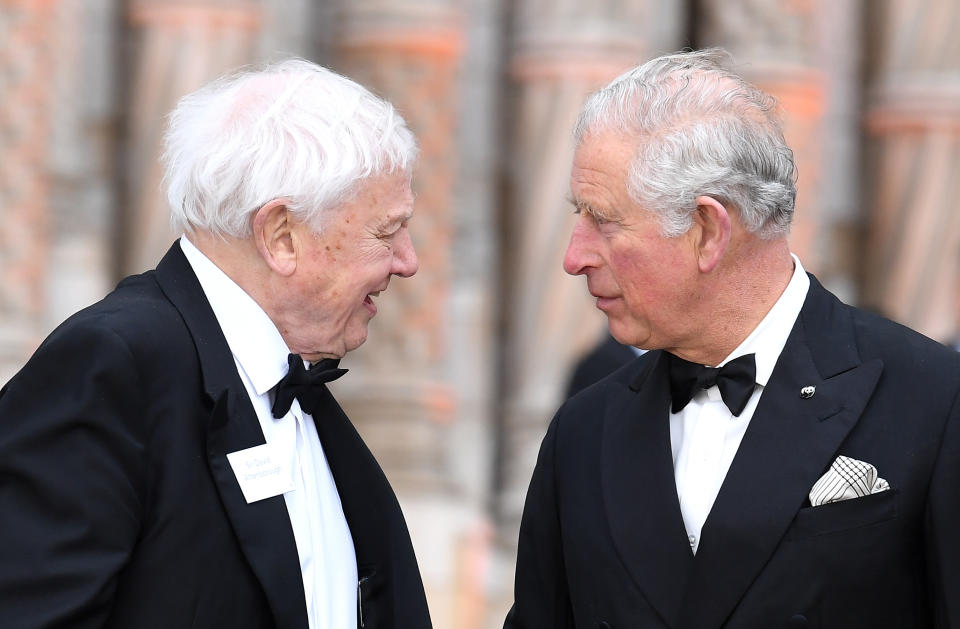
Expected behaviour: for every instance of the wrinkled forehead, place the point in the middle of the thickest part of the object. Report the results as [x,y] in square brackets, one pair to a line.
[381,197]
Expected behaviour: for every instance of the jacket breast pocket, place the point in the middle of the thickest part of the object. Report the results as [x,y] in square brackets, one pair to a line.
[369,593]
[846,515]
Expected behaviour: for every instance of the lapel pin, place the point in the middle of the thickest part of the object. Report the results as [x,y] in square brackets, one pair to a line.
[807,392]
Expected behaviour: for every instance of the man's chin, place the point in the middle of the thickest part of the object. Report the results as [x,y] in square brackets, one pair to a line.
[355,339]
[626,336]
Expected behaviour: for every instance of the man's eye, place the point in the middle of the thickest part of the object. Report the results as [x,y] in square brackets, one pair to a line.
[387,237]
[597,219]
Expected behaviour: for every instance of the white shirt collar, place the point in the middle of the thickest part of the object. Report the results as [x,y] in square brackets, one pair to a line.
[254,340]
[769,337]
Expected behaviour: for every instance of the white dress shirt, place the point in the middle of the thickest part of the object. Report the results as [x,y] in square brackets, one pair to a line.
[705,435]
[328,561]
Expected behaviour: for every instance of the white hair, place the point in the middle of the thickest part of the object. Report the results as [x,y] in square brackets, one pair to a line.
[701,130]
[291,130]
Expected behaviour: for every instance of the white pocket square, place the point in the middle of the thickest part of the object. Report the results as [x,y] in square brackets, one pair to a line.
[847,478]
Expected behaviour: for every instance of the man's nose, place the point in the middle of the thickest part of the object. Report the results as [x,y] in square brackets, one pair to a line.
[405,262]
[576,258]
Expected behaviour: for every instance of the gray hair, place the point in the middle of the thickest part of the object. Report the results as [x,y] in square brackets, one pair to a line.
[701,130]
[292,130]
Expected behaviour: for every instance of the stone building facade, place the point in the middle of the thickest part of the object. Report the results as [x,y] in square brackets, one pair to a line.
[467,362]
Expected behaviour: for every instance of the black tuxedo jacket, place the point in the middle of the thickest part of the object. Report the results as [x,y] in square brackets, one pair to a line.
[602,541]
[118,507]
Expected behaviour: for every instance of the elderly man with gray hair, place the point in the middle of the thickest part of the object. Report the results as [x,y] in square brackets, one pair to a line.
[171,456]
[778,458]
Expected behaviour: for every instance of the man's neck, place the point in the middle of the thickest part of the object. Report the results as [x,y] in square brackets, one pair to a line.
[239,260]
[741,295]
[229,254]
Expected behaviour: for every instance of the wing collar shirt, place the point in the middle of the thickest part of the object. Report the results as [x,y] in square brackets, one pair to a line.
[324,544]
[705,435]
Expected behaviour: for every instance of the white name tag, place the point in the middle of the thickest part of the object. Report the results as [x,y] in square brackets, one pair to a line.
[261,472]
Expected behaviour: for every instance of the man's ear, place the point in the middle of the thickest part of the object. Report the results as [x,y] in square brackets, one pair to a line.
[713,219]
[272,233]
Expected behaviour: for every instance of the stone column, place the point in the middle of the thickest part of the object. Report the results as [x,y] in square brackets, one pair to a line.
[473,344]
[291,27]
[82,257]
[27,44]
[399,392]
[560,52]
[839,55]
[774,45]
[913,174]
[177,46]
[407,52]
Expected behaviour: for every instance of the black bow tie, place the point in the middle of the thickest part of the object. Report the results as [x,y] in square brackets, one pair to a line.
[735,380]
[305,385]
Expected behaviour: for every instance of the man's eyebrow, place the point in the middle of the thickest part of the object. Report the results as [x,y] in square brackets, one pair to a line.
[580,204]
[584,207]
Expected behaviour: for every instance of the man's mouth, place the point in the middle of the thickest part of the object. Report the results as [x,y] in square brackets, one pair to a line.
[368,302]
[604,302]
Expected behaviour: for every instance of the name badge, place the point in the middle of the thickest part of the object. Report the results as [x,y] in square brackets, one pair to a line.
[261,472]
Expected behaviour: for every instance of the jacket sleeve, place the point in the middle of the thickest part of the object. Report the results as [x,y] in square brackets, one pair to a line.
[941,540]
[71,476]
[541,595]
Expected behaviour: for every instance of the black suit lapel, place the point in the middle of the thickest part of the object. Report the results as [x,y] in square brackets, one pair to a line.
[391,590]
[263,528]
[789,444]
[640,492]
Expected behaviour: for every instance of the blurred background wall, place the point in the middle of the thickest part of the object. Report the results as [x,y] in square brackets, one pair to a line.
[467,362]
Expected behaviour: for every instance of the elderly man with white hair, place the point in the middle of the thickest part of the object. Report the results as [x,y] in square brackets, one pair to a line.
[170,456]
[778,458]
